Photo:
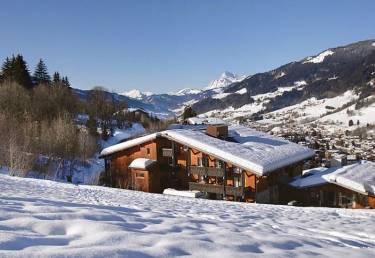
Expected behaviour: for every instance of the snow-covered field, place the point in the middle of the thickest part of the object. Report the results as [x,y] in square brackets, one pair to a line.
[40,218]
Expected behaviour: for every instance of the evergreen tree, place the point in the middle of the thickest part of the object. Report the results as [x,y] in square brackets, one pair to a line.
[19,72]
[188,112]
[65,81]
[41,74]
[6,69]
[56,77]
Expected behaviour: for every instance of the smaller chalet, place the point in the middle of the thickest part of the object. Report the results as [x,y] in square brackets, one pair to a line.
[220,161]
[351,186]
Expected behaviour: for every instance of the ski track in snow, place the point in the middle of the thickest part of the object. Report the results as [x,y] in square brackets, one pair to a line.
[46,218]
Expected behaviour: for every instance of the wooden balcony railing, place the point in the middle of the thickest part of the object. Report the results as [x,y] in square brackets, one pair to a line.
[207,171]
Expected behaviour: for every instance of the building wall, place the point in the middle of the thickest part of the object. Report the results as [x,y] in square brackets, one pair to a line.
[331,195]
[264,189]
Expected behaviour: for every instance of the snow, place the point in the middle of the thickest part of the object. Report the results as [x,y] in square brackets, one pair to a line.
[241,91]
[136,94]
[300,83]
[312,177]
[359,177]
[313,109]
[205,121]
[40,218]
[123,134]
[251,150]
[191,194]
[186,91]
[364,115]
[282,74]
[319,58]
[332,78]
[225,79]
[128,144]
[141,163]
[220,95]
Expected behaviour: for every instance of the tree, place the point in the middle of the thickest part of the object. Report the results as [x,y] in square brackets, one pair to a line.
[188,112]
[41,74]
[351,123]
[15,69]
[56,77]
[6,70]
[65,81]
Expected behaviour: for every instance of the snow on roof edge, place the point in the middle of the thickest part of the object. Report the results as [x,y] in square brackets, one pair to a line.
[141,163]
[213,151]
[238,161]
[127,144]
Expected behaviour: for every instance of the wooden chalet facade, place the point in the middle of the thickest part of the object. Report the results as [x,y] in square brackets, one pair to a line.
[183,163]
[343,187]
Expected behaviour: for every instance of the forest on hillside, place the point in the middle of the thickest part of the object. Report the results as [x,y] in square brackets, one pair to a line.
[41,121]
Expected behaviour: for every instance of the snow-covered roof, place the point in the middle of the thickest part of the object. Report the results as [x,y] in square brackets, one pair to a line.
[312,177]
[141,163]
[128,144]
[246,148]
[205,120]
[359,177]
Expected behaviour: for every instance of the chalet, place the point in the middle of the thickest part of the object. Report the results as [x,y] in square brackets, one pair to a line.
[232,163]
[350,186]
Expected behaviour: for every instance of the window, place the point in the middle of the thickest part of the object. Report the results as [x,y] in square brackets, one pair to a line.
[219,164]
[140,175]
[199,161]
[148,151]
[205,161]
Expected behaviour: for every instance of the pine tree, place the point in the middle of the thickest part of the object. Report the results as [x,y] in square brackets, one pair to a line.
[188,112]
[6,70]
[41,74]
[56,77]
[65,81]
[18,72]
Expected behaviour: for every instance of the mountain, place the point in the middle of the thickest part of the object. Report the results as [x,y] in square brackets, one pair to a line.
[132,103]
[225,79]
[136,94]
[346,73]
[343,77]
[172,103]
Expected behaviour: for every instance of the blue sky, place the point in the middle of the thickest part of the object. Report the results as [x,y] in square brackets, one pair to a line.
[163,45]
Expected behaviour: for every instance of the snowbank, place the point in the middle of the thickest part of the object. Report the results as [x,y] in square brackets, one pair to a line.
[40,218]
[191,194]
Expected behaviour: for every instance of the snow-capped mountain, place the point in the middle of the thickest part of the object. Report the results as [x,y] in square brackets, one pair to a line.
[186,91]
[301,86]
[335,80]
[136,94]
[225,79]
[173,103]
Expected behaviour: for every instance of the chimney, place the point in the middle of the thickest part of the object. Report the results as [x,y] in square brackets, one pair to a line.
[217,131]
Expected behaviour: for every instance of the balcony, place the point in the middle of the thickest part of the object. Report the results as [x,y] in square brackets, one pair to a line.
[217,189]
[207,171]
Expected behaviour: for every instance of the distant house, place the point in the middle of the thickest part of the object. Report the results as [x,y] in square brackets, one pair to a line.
[232,163]
[351,186]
